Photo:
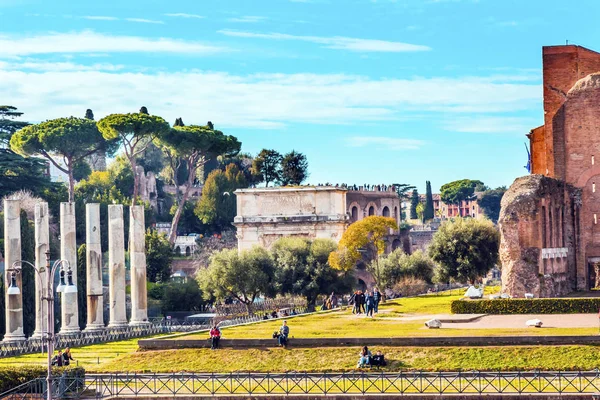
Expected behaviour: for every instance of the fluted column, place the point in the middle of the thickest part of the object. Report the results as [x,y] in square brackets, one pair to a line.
[12,253]
[137,254]
[69,311]
[93,258]
[42,243]
[116,266]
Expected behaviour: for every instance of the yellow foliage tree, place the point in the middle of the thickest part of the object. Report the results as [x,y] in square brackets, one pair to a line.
[366,235]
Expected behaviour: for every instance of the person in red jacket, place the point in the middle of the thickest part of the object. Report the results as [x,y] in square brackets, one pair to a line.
[215,336]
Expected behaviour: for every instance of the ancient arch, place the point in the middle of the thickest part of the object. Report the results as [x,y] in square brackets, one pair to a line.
[354,211]
[371,209]
[188,252]
[386,211]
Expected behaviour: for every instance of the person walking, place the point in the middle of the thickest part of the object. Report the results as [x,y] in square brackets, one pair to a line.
[377,298]
[333,300]
[370,303]
[58,359]
[355,299]
[284,332]
[361,302]
[215,337]
[67,358]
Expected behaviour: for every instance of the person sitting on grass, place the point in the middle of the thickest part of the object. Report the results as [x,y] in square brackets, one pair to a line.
[215,337]
[378,359]
[284,332]
[365,358]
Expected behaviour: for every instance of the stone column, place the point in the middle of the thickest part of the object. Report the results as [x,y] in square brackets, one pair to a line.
[42,243]
[93,258]
[12,253]
[137,254]
[116,266]
[69,312]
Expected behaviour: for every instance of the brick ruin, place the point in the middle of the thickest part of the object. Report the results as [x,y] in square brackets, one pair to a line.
[550,237]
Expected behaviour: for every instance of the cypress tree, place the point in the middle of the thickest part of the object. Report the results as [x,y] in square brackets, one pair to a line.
[414,202]
[429,212]
[28,274]
[82,285]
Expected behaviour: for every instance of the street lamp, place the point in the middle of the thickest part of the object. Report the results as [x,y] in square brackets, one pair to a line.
[65,286]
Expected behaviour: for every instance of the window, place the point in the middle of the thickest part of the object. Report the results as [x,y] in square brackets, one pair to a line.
[386,212]
[595,219]
[371,211]
[592,160]
[354,213]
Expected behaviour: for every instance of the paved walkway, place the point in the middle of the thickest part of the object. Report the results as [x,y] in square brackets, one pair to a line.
[518,321]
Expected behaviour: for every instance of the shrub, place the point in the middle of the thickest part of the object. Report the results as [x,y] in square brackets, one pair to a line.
[526,306]
[410,286]
[13,377]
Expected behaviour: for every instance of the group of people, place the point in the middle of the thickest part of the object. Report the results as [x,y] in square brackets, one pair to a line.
[62,358]
[277,313]
[330,302]
[367,359]
[366,302]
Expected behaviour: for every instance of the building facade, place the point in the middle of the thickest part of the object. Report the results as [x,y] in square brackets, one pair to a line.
[549,220]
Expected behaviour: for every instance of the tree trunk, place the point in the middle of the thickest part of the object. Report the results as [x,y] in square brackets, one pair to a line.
[248,308]
[136,180]
[181,204]
[71,183]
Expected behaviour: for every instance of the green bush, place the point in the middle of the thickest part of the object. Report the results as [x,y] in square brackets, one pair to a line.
[526,306]
[13,377]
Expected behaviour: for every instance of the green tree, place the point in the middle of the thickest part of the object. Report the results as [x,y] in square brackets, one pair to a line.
[241,275]
[244,163]
[267,165]
[217,206]
[367,237]
[302,268]
[193,146]
[81,170]
[28,273]
[466,249]
[294,168]
[82,285]
[458,191]
[69,140]
[134,133]
[159,256]
[428,213]
[490,202]
[398,265]
[8,125]
[185,296]
[414,202]
[421,212]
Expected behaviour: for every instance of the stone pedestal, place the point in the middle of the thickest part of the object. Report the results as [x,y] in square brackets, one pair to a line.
[12,253]
[137,254]
[42,241]
[93,258]
[69,311]
[116,266]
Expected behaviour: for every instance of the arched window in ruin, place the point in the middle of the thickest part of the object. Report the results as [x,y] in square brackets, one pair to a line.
[371,211]
[396,213]
[396,244]
[354,214]
[177,250]
[188,251]
[386,211]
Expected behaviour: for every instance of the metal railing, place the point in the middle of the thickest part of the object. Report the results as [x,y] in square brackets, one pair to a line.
[185,384]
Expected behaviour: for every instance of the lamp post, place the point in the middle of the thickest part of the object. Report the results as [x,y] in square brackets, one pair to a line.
[48,296]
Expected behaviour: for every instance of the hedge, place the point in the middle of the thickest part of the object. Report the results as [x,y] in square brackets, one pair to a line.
[13,377]
[527,306]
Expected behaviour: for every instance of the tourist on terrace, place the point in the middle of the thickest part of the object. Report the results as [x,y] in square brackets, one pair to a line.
[67,358]
[333,300]
[215,337]
[284,332]
[365,357]
[370,303]
[377,298]
[58,359]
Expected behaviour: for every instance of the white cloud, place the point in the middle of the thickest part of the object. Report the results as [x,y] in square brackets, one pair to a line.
[92,42]
[265,100]
[490,124]
[382,142]
[184,15]
[144,21]
[100,18]
[334,42]
[248,19]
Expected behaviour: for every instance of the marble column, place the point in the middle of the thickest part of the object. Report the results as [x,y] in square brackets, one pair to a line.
[116,266]
[137,261]
[93,258]
[12,253]
[69,311]
[42,243]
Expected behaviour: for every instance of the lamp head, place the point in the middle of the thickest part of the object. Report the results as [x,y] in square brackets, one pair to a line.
[13,289]
[70,287]
[61,285]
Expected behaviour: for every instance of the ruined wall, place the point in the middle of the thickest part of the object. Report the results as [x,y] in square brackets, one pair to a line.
[538,226]
[537,146]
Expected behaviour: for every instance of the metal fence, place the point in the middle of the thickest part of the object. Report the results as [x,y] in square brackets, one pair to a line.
[186,384]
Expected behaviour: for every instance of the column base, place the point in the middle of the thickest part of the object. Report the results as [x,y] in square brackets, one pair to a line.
[8,338]
[37,335]
[139,323]
[122,324]
[94,328]
[69,331]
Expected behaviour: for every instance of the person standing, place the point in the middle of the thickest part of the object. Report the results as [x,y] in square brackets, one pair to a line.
[215,337]
[361,302]
[377,298]
[355,299]
[284,332]
[334,300]
[370,303]
[67,358]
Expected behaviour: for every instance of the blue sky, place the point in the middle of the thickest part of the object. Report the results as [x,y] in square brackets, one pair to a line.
[371,91]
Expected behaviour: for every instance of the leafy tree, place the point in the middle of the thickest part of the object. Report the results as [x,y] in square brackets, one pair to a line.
[185,296]
[365,236]
[428,213]
[267,165]
[414,202]
[8,125]
[466,249]
[134,132]
[244,163]
[217,206]
[241,275]
[490,202]
[159,256]
[89,114]
[403,190]
[193,146]
[82,285]
[69,140]
[421,212]
[302,268]
[458,191]
[398,265]
[81,170]
[294,168]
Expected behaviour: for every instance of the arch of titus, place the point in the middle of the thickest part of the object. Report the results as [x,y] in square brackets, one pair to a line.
[68,252]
